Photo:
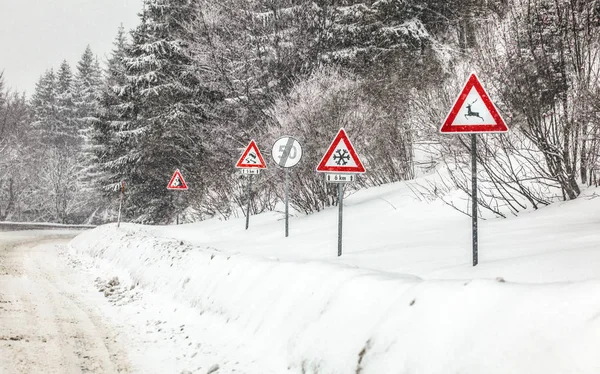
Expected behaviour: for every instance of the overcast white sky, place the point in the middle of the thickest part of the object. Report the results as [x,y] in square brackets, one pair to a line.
[36,35]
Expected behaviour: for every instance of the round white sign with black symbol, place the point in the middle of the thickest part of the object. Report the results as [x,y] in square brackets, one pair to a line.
[286,152]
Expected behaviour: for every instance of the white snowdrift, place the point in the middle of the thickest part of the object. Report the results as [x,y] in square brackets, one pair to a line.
[322,317]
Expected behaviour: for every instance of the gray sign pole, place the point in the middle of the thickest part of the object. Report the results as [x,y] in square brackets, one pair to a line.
[120,206]
[178,208]
[122,189]
[474,195]
[340,215]
[287,202]
[286,153]
[282,162]
[249,200]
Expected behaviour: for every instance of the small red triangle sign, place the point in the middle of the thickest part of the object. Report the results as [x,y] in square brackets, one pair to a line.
[341,156]
[177,182]
[251,158]
[473,112]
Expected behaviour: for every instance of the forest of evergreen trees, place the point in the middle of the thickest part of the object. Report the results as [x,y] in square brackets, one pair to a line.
[196,80]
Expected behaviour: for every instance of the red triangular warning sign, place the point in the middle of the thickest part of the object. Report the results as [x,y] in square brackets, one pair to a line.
[341,156]
[251,158]
[177,182]
[473,111]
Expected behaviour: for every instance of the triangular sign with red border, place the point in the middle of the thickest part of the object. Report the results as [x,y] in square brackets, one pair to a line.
[251,158]
[341,156]
[473,112]
[177,182]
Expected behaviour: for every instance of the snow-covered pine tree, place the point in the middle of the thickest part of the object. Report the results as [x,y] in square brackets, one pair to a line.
[14,138]
[86,96]
[113,117]
[86,89]
[43,103]
[55,147]
[166,111]
[86,92]
[66,134]
[52,106]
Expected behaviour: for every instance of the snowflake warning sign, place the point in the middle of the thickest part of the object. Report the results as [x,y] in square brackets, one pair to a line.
[341,156]
[177,182]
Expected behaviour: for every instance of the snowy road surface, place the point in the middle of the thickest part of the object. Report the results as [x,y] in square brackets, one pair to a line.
[66,314]
[46,325]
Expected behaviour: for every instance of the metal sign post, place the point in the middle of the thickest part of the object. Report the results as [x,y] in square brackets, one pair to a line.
[249,196]
[177,209]
[341,181]
[121,202]
[286,153]
[287,202]
[474,194]
[340,216]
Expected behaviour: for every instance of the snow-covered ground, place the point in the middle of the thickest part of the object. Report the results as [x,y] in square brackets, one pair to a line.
[403,298]
[50,314]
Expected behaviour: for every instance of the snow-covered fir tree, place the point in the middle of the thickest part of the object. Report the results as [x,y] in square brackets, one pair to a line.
[86,93]
[86,89]
[56,146]
[113,114]
[43,104]
[14,151]
[67,134]
[164,125]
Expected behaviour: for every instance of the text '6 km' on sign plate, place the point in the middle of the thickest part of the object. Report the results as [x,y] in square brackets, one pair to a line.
[339,177]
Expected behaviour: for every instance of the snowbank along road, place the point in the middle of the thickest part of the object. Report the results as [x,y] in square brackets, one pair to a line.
[46,325]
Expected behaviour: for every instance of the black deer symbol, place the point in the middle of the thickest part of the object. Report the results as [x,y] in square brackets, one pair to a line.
[470,113]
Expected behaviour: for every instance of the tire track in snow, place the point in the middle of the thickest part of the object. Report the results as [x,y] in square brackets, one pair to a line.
[45,326]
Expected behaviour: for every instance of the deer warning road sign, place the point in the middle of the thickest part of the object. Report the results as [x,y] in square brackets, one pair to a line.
[473,112]
[251,158]
[177,182]
[341,156]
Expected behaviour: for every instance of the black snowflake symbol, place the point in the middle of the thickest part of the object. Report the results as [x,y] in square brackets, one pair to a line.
[341,157]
